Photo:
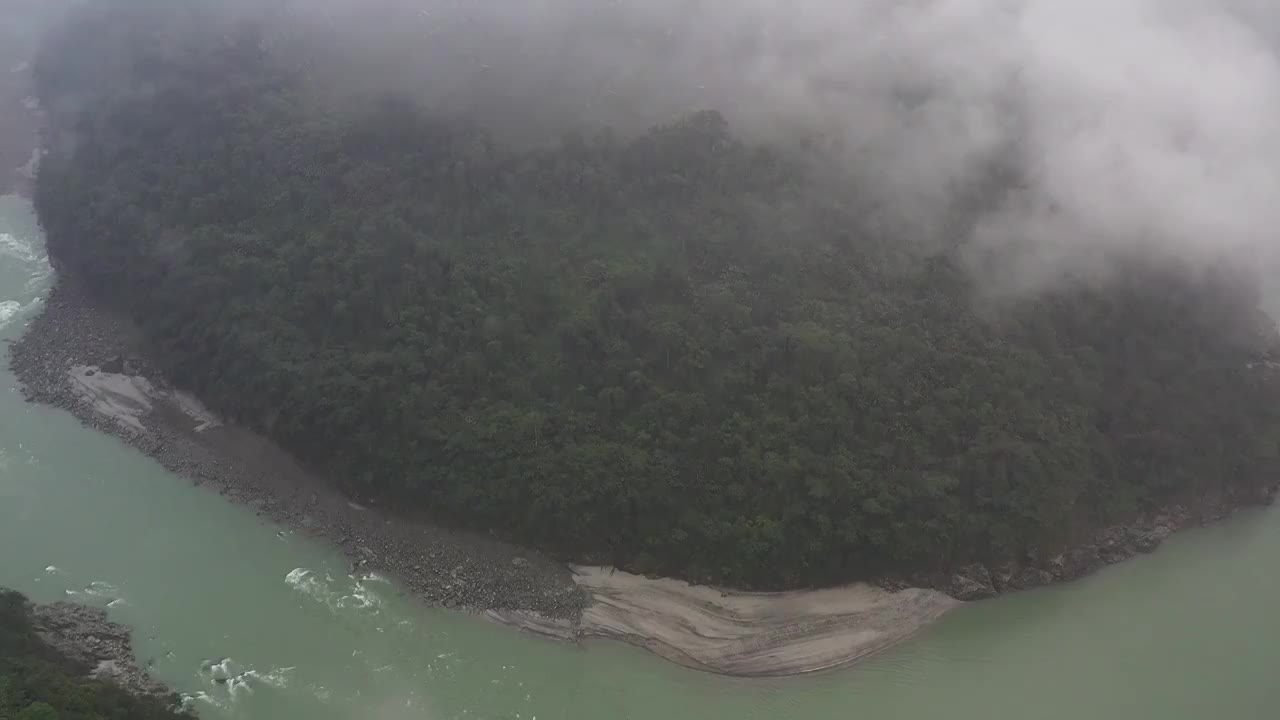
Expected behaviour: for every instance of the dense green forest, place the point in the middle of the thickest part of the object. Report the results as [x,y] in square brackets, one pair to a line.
[39,683]
[678,352]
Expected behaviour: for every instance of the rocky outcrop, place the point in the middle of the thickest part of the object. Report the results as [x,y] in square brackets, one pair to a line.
[972,582]
[85,635]
[1107,547]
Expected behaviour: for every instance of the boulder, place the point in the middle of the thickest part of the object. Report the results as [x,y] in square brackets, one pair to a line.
[972,583]
[1147,540]
[1004,577]
[1029,577]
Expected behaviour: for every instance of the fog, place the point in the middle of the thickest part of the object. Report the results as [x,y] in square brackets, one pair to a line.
[1041,135]
[1144,125]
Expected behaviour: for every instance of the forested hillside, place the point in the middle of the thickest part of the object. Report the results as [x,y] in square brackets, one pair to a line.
[678,352]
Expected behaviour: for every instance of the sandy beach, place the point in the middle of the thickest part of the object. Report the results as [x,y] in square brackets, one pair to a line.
[753,634]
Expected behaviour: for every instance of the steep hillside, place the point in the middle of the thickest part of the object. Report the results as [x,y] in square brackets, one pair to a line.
[677,352]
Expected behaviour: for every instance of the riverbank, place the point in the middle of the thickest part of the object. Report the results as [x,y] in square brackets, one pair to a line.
[86,636]
[1143,534]
[68,660]
[92,363]
[1112,545]
[82,359]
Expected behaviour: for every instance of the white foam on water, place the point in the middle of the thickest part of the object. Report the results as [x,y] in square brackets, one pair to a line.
[224,677]
[239,686]
[189,700]
[305,582]
[362,597]
[11,246]
[8,309]
[53,570]
[276,677]
[228,681]
[323,590]
[296,575]
[223,669]
[95,589]
[101,588]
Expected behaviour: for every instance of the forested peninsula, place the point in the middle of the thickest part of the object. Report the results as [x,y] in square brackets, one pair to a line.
[677,351]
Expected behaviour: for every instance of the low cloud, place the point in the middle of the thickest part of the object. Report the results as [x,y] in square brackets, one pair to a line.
[1043,136]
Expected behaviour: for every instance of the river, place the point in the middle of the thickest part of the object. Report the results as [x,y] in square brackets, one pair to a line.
[214,592]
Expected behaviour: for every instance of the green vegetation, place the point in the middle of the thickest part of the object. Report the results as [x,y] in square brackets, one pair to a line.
[39,683]
[678,352]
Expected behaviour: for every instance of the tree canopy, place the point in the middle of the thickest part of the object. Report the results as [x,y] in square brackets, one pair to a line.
[678,352]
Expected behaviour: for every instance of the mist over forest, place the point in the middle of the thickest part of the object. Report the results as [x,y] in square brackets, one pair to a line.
[1088,126]
[756,292]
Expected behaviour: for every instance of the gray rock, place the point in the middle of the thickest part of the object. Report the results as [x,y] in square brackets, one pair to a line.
[1030,577]
[1004,578]
[972,583]
[1145,541]
[87,636]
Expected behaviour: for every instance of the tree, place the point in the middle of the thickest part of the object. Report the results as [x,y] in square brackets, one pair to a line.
[677,351]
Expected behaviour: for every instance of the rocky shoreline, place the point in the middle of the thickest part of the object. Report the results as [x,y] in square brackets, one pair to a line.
[91,362]
[1112,545]
[86,636]
[74,349]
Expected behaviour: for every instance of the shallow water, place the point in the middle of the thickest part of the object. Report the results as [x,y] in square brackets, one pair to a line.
[212,591]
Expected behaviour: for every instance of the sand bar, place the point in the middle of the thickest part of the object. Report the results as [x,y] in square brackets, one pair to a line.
[745,634]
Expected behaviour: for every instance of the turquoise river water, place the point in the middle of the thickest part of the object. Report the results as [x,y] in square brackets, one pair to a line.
[211,589]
